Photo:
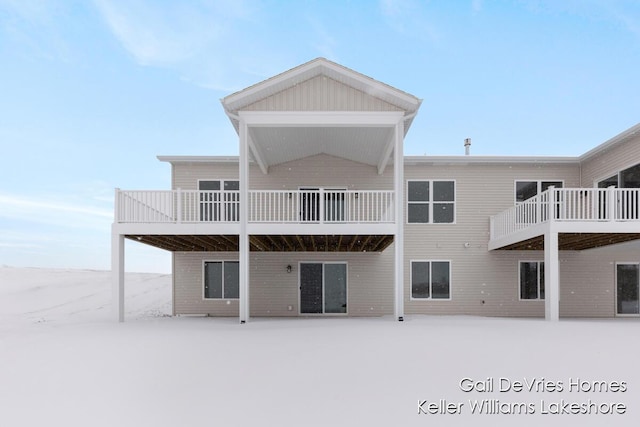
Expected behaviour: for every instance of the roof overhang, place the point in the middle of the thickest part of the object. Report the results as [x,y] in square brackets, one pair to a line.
[625,136]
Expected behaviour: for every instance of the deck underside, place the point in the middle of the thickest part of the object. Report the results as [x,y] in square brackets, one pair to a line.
[574,241]
[267,243]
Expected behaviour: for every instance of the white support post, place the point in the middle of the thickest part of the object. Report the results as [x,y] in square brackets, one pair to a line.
[551,276]
[612,203]
[398,177]
[117,274]
[179,206]
[243,238]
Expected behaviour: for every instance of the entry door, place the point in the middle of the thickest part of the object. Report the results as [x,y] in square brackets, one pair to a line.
[323,288]
[310,204]
[627,289]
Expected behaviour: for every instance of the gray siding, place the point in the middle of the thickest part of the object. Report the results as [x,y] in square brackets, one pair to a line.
[483,283]
[272,290]
[321,93]
[611,161]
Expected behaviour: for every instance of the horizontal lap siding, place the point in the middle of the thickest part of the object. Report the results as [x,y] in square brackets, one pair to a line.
[273,290]
[611,161]
[321,93]
[482,282]
[321,170]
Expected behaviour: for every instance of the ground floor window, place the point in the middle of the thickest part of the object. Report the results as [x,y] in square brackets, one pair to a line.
[221,280]
[627,288]
[323,288]
[532,280]
[430,280]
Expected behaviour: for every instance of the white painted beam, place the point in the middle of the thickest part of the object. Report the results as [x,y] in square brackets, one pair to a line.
[257,155]
[551,276]
[321,118]
[386,155]
[398,177]
[117,275]
[244,216]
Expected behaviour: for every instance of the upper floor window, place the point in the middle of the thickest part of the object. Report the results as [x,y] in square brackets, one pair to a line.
[627,178]
[528,189]
[219,200]
[431,202]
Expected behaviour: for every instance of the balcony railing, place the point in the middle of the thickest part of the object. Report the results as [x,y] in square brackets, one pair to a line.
[569,204]
[265,206]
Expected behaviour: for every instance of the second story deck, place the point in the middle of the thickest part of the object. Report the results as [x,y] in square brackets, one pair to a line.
[586,217]
[309,211]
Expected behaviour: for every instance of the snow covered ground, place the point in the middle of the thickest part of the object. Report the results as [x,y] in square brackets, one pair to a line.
[64,362]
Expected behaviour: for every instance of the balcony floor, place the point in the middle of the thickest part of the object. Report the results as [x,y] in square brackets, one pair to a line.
[266,243]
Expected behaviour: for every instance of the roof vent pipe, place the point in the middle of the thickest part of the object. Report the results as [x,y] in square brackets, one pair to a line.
[467,145]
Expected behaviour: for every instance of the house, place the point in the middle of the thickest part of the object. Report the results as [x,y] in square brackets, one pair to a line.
[321,214]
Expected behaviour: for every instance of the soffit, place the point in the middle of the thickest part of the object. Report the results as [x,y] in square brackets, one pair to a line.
[284,144]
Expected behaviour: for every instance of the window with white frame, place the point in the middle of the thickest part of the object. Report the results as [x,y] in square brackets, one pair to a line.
[221,280]
[532,280]
[528,189]
[431,202]
[219,200]
[430,280]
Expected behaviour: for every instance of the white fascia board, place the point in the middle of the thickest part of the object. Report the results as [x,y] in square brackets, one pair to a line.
[198,159]
[321,118]
[176,228]
[462,160]
[320,229]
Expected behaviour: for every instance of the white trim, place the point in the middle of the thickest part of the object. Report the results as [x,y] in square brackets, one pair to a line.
[430,202]
[430,261]
[520,261]
[615,289]
[223,261]
[323,263]
[620,138]
[380,119]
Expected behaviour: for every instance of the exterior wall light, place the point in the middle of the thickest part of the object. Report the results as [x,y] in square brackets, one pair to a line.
[288,269]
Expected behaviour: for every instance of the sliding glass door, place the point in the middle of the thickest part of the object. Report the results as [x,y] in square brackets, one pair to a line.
[323,288]
[627,289]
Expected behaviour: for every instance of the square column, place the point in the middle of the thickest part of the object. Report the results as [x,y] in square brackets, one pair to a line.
[117,275]
[551,276]
[243,240]
[398,179]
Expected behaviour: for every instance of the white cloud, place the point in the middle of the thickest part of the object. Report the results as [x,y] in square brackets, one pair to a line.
[204,41]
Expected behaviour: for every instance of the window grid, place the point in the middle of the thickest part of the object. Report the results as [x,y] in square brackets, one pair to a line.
[431,202]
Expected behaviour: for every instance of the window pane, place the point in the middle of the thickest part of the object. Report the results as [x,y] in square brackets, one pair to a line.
[525,190]
[612,181]
[232,185]
[541,268]
[420,280]
[630,178]
[529,280]
[443,212]
[627,288]
[335,288]
[231,279]
[213,280]
[440,280]
[443,191]
[418,212]
[546,184]
[209,185]
[418,191]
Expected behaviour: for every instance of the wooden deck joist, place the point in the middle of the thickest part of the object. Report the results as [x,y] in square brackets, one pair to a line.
[574,241]
[267,243]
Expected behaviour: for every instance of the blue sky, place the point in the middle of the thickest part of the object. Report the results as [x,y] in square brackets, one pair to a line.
[92,91]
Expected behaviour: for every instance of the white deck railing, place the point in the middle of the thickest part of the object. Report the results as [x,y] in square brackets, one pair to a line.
[265,206]
[568,204]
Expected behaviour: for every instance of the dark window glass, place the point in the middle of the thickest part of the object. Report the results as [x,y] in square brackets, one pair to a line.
[209,185]
[232,185]
[231,279]
[440,279]
[612,181]
[420,279]
[546,184]
[443,191]
[213,280]
[627,288]
[529,280]
[630,178]
[443,212]
[526,190]
[418,212]
[418,191]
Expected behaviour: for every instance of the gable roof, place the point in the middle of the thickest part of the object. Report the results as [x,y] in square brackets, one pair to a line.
[320,66]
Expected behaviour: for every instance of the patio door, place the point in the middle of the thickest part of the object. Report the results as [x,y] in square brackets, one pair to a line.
[334,205]
[323,288]
[627,289]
